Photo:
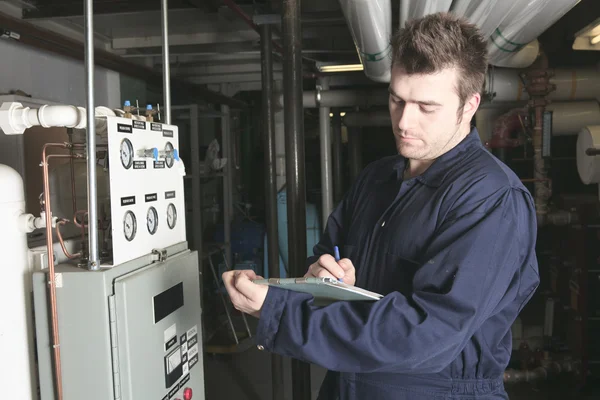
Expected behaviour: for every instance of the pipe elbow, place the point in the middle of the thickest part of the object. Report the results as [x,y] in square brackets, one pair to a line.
[62,116]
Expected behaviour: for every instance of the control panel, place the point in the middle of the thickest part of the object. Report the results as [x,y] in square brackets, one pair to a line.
[130,332]
[146,187]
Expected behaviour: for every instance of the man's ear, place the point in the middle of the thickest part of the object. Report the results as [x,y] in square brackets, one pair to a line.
[471,106]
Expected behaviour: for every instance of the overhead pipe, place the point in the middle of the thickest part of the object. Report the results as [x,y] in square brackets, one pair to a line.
[325,148]
[521,26]
[502,85]
[295,173]
[271,184]
[568,118]
[370,24]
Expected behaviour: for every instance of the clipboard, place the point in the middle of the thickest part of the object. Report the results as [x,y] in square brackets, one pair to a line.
[325,290]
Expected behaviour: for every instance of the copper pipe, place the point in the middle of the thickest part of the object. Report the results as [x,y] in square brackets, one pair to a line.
[77,224]
[62,242]
[51,275]
[72,165]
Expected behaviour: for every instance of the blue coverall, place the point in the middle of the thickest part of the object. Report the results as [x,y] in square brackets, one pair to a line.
[452,250]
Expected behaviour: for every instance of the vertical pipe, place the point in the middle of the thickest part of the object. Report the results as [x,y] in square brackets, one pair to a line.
[271,183]
[227,181]
[354,151]
[196,194]
[338,175]
[294,151]
[164,8]
[94,258]
[325,145]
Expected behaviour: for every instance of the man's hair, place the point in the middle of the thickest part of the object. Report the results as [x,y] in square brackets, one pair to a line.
[443,40]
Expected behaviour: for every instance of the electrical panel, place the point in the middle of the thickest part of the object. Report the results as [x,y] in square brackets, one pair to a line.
[146,187]
[128,333]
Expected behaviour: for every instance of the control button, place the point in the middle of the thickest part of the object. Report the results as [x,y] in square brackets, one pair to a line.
[175,154]
[187,394]
[260,347]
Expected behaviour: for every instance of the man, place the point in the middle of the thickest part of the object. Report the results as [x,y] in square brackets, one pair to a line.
[444,230]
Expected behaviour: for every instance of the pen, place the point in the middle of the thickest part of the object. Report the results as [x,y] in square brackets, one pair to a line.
[337,257]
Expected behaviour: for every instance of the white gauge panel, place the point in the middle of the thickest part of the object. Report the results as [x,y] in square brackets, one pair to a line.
[146,186]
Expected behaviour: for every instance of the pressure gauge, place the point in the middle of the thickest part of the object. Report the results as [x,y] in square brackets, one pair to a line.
[129,226]
[152,220]
[126,153]
[169,156]
[171,216]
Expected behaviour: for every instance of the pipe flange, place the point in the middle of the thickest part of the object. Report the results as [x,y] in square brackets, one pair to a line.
[318,96]
[40,115]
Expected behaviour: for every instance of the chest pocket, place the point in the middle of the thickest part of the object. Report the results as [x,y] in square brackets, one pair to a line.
[395,274]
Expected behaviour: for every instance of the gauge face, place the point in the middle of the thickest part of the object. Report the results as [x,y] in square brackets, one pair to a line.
[126,153]
[171,216]
[152,220]
[129,226]
[169,160]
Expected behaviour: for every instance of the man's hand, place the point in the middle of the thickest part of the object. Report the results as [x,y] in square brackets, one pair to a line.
[326,266]
[246,296]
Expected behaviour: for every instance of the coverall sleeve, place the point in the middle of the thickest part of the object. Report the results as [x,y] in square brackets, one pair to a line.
[481,260]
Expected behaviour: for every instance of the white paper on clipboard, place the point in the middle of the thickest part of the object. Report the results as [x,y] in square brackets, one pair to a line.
[324,290]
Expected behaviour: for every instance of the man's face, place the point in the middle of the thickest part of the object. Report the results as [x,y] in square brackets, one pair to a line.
[424,112]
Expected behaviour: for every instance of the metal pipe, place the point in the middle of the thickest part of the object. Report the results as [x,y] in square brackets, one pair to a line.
[545,371]
[166,69]
[227,181]
[355,152]
[94,256]
[295,173]
[325,147]
[338,173]
[240,13]
[271,184]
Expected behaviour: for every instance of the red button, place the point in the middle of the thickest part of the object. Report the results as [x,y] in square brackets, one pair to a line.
[187,394]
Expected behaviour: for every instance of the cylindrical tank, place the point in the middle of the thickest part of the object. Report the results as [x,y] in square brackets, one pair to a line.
[18,378]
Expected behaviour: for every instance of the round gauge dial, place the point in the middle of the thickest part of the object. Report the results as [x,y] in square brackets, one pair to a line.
[129,226]
[169,158]
[171,216]
[126,153]
[152,220]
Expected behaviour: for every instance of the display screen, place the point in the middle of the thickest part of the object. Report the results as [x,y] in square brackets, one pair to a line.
[167,302]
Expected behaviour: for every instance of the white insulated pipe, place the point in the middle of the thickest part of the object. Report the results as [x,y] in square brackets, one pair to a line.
[571,84]
[504,83]
[14,118]
[18,378]
[370,24]
[568,118]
